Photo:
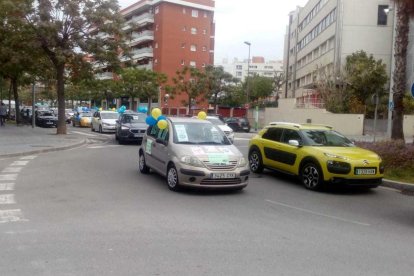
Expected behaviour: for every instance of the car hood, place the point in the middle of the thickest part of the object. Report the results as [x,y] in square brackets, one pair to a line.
[48,117]
[208,152]
[353,153]
[109,121]
[224,127]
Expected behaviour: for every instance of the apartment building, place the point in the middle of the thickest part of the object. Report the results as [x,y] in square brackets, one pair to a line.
[257,66]
[167,35]
[323,33]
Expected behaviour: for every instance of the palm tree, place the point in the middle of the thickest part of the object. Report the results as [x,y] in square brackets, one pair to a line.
[404,10]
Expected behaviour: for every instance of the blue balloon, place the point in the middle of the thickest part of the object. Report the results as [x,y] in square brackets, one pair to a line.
[161,117]
[150,120]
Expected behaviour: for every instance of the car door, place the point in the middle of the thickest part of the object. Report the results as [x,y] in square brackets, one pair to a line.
[160,151]
[148,145]
[289,153]
[272,147]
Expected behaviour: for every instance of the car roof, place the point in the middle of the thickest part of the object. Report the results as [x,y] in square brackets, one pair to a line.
[108,111]
[299,126]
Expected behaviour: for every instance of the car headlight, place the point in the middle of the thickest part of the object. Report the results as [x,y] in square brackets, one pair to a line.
[106,124]
[330,155]
[242,162]
[124,128]
[191,161]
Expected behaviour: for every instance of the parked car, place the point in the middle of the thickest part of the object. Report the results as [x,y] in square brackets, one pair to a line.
[104,121]
[223,126]
[194,153]
[82,119]
[45,118]
[130,126]
[238,124]
[316,154]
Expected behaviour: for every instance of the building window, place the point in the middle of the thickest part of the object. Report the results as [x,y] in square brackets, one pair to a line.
[204,31]
[184,28]
[183,45]
[194,31]
[203,65]
[192,63]
[156,27]
[238,74]
[194,13]
[382,15]
[184,11]
[205,14]
[156,10]
[156,61]
[204,48]
[182,62]
[193,48]
[156,45]
[239,67]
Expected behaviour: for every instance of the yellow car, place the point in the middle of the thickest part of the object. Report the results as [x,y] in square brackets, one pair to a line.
[316,154]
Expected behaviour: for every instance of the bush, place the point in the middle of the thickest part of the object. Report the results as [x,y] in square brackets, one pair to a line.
[395,154]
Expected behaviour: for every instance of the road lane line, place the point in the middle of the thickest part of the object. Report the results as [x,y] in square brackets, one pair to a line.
[6,186]
[19,163]
[13,215]
[7,199]
[29,157]
[8,177]
[316,213]
[12,170]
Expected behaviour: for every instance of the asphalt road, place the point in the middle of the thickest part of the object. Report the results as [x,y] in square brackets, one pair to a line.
[88,211]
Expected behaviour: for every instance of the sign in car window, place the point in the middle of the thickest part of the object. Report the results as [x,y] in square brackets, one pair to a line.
[181,133]
[148,146]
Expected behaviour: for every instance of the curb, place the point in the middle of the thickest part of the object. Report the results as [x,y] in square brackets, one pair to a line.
[83,142]
[401,186]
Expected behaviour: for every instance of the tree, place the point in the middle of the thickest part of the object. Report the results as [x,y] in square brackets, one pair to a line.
[260,87]
[141,83]
[366,75]
[218,82]
[404,10]
[66,31]
[191,82]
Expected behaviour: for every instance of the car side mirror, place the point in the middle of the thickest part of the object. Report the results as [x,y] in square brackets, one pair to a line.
[294,143]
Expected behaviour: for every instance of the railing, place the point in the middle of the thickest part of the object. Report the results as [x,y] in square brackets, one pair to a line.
[104,76]
[141,37]
[140,20]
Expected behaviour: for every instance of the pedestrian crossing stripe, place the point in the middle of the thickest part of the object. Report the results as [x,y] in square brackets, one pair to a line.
[13,215]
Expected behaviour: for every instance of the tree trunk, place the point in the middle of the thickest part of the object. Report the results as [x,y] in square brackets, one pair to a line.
[16,101]
[400,78]
[149,106]
[61,127]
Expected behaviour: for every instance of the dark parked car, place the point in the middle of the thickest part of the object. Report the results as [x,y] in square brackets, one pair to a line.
[45,118]
[238,124]
[130,126]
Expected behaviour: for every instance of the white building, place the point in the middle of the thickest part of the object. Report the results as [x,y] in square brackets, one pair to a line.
[257,66]
[322,33]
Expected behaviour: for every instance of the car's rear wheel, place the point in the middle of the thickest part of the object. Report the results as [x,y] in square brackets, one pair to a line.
[172,178]
[143,168]
[311,176]
[255,161]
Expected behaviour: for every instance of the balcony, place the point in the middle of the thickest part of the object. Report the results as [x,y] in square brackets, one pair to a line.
[144,66]
[141,37]
[99,65]
[142,20]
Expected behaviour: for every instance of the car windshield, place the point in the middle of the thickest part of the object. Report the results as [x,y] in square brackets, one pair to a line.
[326,138]
[109,115]
[134,118]
[215,121]
[199,133]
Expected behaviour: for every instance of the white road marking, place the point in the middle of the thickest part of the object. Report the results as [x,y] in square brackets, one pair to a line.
[29,157]
[6,186]
[316,213]
[101,147]
[12,170]
[8,177]
[7,199]
[83,133]
[11,216]
[19,163]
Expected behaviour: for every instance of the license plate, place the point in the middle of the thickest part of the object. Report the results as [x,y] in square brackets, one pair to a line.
[365,171]
[49,123]
[138,135]
[223,175]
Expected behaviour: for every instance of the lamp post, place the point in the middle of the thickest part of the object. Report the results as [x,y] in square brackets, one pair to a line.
[248,73]
[390,94]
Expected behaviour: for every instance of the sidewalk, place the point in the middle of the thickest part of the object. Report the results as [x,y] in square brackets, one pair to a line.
[25,140]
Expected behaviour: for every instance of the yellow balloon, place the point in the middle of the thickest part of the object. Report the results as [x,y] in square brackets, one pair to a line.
[202,115]
[113,109]
[162,124]
[156,112]
[100,109]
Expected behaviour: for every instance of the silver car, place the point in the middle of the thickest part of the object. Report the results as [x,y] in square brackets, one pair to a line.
[195,153]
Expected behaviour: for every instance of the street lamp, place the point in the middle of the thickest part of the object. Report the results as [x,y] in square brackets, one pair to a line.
[248,73]
[390,94]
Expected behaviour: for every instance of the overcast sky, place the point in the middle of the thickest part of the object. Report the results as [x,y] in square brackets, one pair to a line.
[261,22]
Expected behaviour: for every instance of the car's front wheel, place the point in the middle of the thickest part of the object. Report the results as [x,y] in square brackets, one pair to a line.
[172,178]
[311,176]
[255,161]
[143,168]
